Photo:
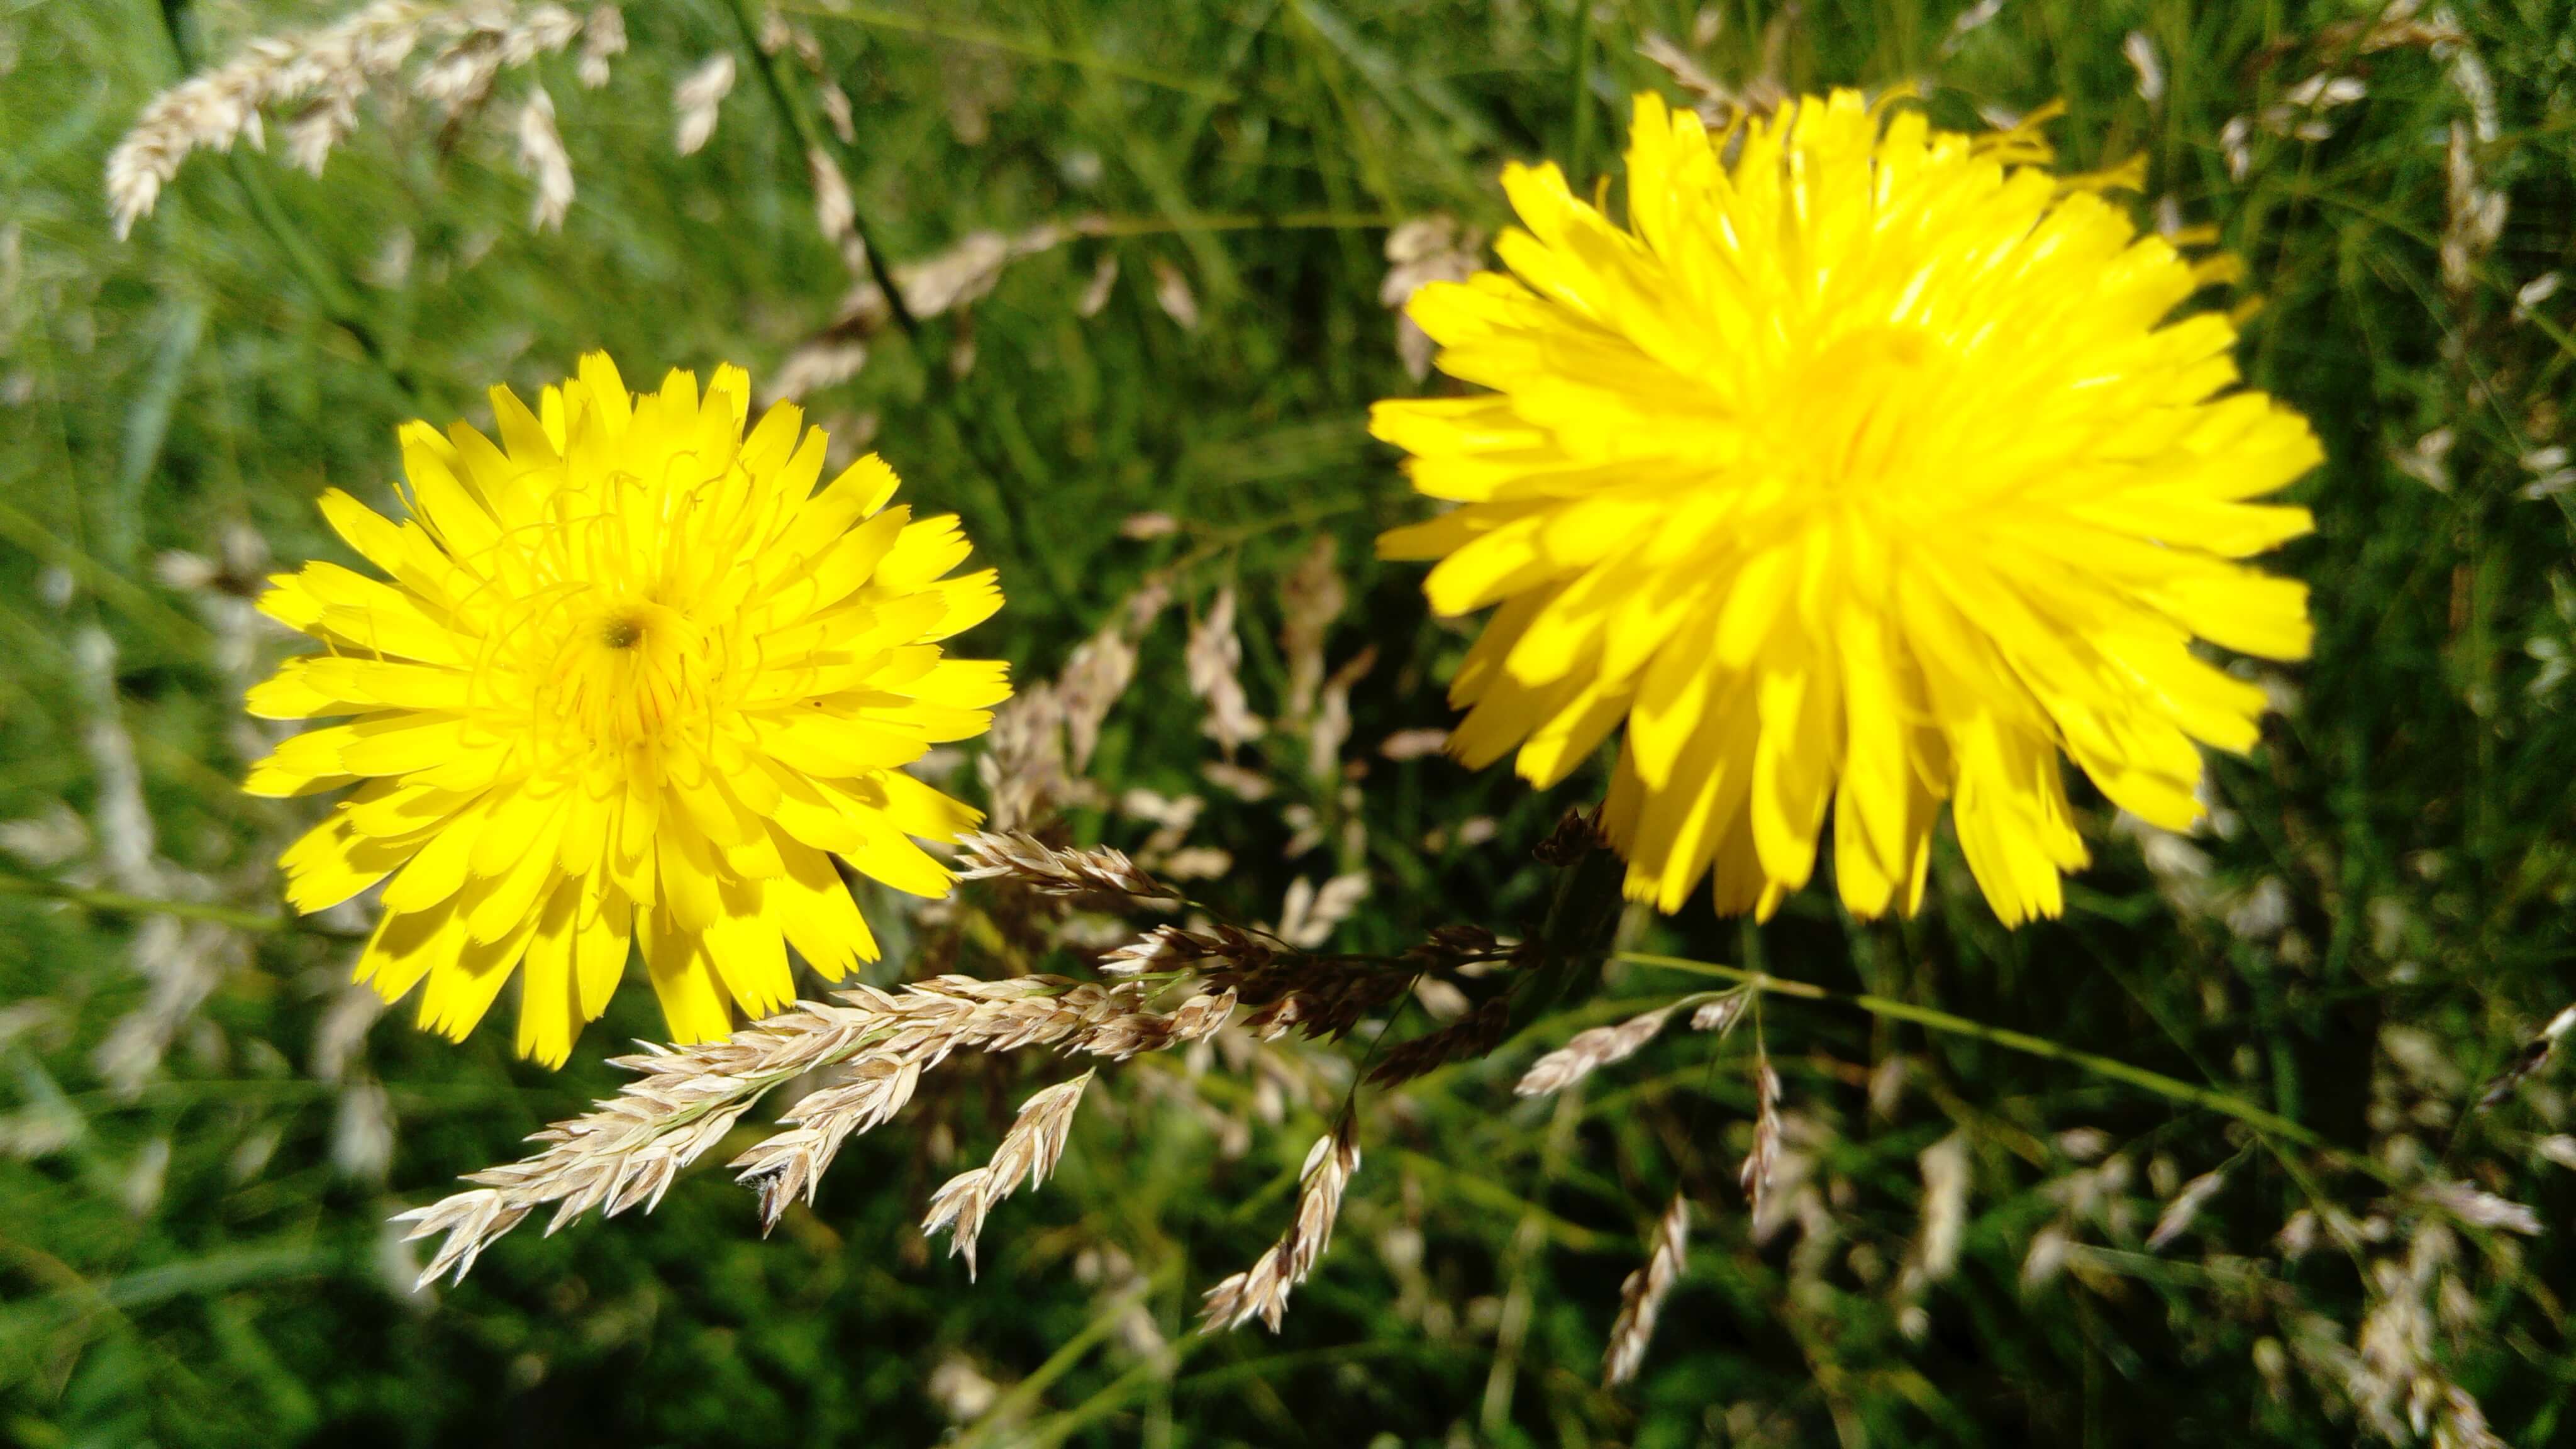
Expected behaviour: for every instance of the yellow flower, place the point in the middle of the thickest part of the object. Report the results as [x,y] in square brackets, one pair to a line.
[627,680]
[1869,467]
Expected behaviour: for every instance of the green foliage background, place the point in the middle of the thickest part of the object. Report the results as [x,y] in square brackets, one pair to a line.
[2409,815]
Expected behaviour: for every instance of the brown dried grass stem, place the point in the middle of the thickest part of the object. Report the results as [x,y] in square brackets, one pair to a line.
[775,78]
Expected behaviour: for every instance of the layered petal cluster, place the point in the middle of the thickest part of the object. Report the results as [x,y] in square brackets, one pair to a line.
[1870,466]
[630,677]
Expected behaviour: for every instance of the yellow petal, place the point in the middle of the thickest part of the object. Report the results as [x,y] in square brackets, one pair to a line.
[815,911]
[550,1014]
[692,996]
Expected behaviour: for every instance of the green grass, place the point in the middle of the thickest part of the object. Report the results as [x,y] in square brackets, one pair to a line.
[2411,813]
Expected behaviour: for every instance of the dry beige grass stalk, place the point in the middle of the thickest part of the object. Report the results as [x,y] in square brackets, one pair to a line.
[1935,1255]
[1309,915]
[1425,249]
[1167,948]
[2475,212]
[792,1162]
[836,212]
[1721,1015]
[1590,1051]
[1022,766]
[1095,293]
[968,270]
[2184,1209]
[543,162]
[1330,728]
[1096,675]
[1720,105]
[1641,1297]
[1262,1290]
[2478,1208]
[1765,1155]
[1042,738]
[628,1150]
[1018,856]
[1214,658]
[1029,1152]
[696,101]
[1311,597]
[603,39]
[1172,293]
[311,82]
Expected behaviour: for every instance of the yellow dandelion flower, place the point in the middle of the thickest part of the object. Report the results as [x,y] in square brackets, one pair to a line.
[1869,466]
[626,680]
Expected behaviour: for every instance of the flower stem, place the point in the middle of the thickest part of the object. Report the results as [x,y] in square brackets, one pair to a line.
[2171,1088]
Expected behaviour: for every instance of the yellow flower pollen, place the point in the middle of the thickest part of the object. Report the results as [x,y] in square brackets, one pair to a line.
[1869,467]
[630,677]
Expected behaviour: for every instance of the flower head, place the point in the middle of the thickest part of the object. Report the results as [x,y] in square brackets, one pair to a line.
[1869,467]
[626,680]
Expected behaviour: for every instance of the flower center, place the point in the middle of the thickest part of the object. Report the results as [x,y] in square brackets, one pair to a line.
[1866,418]
[628,679]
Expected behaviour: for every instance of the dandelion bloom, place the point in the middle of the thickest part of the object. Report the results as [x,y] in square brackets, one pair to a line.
[1869,466]
[627,680]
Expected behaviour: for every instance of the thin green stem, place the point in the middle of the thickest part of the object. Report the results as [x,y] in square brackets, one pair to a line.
[169,628]
[28,885]
[1014,1404]
[820,142]
[1578,154]
[883,19]
[1238,221]
[2171,1088]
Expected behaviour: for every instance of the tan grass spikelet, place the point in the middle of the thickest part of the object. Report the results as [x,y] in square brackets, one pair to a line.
[1433,248]
[2184,1208]
[1029,1152]
[791,1163]
[1222,948]
[1172,293]
[1765,1156]
[968,270]
[1095,293]
[312,82]
[1311,597]
[1641,1297]
[1016,855]
[1589,1051]
[1096,675]
[603,39]
[543,162]
[696,101]
[1214,655]
[1261,1291]
[1309,915]
[836,212]
[627,1150]
[1945,1168]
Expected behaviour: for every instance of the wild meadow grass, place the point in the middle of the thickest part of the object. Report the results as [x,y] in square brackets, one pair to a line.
[2265,1141]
